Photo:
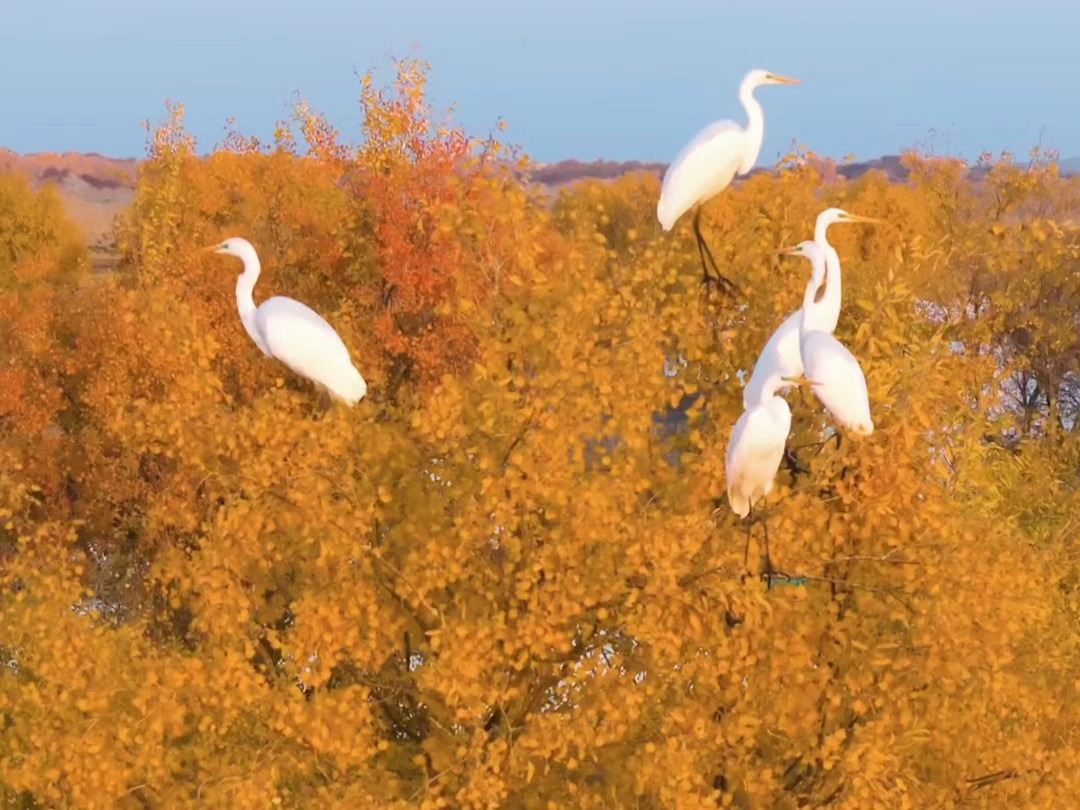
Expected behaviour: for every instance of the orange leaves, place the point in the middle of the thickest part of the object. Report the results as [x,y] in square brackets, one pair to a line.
[321,137]
[510,577]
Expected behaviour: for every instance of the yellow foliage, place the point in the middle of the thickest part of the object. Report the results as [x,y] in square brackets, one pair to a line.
[508,578]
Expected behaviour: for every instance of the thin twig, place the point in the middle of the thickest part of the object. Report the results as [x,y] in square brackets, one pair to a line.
[992,778]
[870,588]
[131,790]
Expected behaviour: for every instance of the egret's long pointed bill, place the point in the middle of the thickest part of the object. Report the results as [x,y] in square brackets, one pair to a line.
[857,218]
[211,248]
[783,79]
[802,379]
[787,251]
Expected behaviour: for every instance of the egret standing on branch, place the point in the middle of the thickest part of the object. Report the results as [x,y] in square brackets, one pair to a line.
[755,450]
[837,379]
[781,353]
[708,164]
[293,333]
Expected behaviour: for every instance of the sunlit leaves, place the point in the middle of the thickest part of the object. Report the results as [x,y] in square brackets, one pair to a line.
[509,577]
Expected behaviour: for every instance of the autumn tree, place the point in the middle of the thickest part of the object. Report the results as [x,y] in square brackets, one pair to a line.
[509,577]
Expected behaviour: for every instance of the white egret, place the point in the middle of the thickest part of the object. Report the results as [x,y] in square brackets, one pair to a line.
[837,379]
[292,332]
[781,353]
[755,450]
[708,164]
[756,447]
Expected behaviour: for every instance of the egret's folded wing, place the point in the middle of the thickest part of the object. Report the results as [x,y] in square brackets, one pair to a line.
[300,338]
[701,169]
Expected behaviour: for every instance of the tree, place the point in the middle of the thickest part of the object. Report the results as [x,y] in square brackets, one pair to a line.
[509,577]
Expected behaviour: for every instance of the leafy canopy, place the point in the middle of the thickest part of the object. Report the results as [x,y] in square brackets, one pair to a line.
[508,578]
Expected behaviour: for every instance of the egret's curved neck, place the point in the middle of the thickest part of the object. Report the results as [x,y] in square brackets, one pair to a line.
[772,387]
[816,312]
[245,286]
[833,292]
[755,127]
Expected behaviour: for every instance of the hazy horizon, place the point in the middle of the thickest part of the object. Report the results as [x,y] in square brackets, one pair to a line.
[614,81]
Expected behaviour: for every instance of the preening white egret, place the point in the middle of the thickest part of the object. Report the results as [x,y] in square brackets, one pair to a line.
[837,379]
[292,332]
[755,450]
[708,164]
[781,353]
[756,447]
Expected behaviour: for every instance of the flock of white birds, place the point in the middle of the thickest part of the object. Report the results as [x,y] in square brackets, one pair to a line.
[803,349]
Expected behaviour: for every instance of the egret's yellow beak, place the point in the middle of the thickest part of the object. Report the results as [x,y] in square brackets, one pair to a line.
[802,379]
[211,248]
[788,251]
[857,218]
[783,79]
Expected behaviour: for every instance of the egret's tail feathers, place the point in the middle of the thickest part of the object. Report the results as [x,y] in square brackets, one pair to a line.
[740,504]
[666,213]
[349,390]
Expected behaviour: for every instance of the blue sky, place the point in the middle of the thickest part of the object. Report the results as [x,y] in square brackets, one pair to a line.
[586,79]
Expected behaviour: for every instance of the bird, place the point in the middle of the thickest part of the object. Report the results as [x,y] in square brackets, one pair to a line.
[292,332]
[836,378]
[708,164]
[781,352]
[756,447]
[755,450]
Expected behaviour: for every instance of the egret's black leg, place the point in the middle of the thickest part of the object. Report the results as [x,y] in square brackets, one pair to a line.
[791,461]
[749,531]
[322,403]
[769,572]
[703,251]
[702,247]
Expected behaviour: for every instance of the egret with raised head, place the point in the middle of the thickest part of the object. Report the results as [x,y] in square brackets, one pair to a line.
[708,164]
[781,353]
[837,379]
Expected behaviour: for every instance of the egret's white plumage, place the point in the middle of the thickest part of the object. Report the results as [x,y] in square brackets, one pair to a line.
[711,160]
[835,375]
[782,353]
[707,164]
[703,169]
[292,332]
[756,447]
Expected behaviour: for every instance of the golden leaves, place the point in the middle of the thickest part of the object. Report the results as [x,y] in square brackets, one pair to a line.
[510,579]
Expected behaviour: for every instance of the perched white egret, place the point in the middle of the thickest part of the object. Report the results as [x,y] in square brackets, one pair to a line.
[837,379]
[756,446]
[754,453]
[781,353]
[292,332]
[711,160]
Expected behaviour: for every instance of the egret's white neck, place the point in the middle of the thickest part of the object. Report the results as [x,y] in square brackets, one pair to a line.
[816,314]
[755,127]
[245,286]
[833,289]
[771,388]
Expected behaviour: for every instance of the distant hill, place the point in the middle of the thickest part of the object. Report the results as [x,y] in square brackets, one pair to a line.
[96,188]
[568,171]
[1069,167]
[565,172]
